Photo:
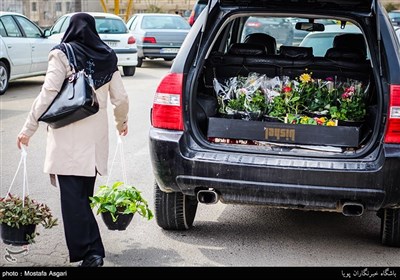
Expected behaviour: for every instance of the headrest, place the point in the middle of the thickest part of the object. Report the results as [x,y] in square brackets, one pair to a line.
[355,55]
[350,40]
[296,52]
[247,49]
[264,39]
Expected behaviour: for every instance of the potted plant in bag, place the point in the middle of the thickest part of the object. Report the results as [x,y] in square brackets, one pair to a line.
[118,203]
[19,218]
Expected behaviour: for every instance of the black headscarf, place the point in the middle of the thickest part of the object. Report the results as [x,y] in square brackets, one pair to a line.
[91,53]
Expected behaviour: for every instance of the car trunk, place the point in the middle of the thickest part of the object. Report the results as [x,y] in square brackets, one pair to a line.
[168,38]
[224,67]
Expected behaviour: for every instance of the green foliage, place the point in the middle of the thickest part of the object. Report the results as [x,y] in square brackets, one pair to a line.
[120,199]
[236,104]
[277,108]
[152,8]
[390,7]
[15,212]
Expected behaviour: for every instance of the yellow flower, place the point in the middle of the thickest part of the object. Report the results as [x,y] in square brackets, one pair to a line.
[331,123]
[305,78]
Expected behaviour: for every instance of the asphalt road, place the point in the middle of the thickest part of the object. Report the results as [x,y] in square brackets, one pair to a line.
[223,235]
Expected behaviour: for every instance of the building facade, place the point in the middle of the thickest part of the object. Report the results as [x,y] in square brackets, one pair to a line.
[46,12]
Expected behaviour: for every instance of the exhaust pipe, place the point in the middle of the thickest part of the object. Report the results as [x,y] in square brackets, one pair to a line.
[207,196]
[352,209]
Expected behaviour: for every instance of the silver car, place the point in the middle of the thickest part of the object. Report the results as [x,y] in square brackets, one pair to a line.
[158,35]
[24,49]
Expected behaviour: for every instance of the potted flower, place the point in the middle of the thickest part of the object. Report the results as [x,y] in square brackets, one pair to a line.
[118,203]
[19,218]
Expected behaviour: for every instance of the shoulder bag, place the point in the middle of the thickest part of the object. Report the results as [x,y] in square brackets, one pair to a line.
[76,99]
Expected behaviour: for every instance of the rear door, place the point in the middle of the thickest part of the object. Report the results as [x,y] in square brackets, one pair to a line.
[17,49]
[40,46]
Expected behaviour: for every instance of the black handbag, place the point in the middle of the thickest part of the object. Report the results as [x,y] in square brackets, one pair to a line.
[76,99]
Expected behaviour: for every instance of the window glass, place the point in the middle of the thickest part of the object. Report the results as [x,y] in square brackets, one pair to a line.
[2,30]
[11,27]
[110,26]
[30,29]
[163,22]
[57,26]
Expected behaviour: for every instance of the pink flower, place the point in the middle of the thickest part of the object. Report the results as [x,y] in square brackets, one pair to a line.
[345,95]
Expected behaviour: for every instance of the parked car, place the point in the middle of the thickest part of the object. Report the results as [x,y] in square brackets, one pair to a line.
[197,9]
[321,41]
[113,31]
[395,17]
[200,157]
[24,49]
[398,33]
[298,35]
[279,28]
[158,35]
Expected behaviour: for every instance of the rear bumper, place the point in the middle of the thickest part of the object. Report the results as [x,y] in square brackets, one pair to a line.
[156,52]
[127,58]
[280,181]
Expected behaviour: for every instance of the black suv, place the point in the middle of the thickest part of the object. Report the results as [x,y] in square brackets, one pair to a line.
[203,152]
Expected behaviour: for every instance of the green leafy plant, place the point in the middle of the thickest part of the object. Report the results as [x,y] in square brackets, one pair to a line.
[120,199]
[16,212]
[352,105]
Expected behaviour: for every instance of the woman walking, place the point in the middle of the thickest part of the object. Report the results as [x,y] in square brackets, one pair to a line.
[76,153]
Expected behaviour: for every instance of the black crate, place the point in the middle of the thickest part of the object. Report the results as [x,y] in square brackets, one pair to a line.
[339,136]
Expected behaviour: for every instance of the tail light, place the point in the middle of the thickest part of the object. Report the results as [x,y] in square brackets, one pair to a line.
[393,127]
[131,40]
[255,24]
[167,104]
[150,40]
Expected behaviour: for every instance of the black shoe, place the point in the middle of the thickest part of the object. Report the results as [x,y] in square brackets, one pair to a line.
[92,261]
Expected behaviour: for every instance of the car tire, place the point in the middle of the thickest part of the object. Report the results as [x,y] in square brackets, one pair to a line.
[390,227]
[129,70]
[174,211]
[139,62]
[4,77]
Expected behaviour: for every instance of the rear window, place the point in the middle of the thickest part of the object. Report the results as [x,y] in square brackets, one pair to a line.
[163,22]
[110,26]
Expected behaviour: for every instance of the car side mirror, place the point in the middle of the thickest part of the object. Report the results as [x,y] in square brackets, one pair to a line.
[309,26]
[47,33]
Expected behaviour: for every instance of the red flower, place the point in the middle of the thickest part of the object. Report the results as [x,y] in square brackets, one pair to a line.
[287,89]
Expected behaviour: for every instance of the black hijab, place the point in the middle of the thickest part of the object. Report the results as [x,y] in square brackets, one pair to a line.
[91,53]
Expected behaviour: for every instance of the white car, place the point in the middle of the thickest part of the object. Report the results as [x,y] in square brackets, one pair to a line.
[113,31]
[24,49]
[321,41]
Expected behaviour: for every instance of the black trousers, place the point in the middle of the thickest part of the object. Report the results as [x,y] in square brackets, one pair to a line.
[80,227]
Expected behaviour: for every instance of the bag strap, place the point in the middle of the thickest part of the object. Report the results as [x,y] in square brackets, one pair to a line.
[70,55]
[120,149]
[72,63]
[25,189]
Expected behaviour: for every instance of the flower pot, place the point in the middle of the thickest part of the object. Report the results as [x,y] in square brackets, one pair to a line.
[16,236]
[350,123]
[227,116]
[267,118]
[122,222]
[254,116]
